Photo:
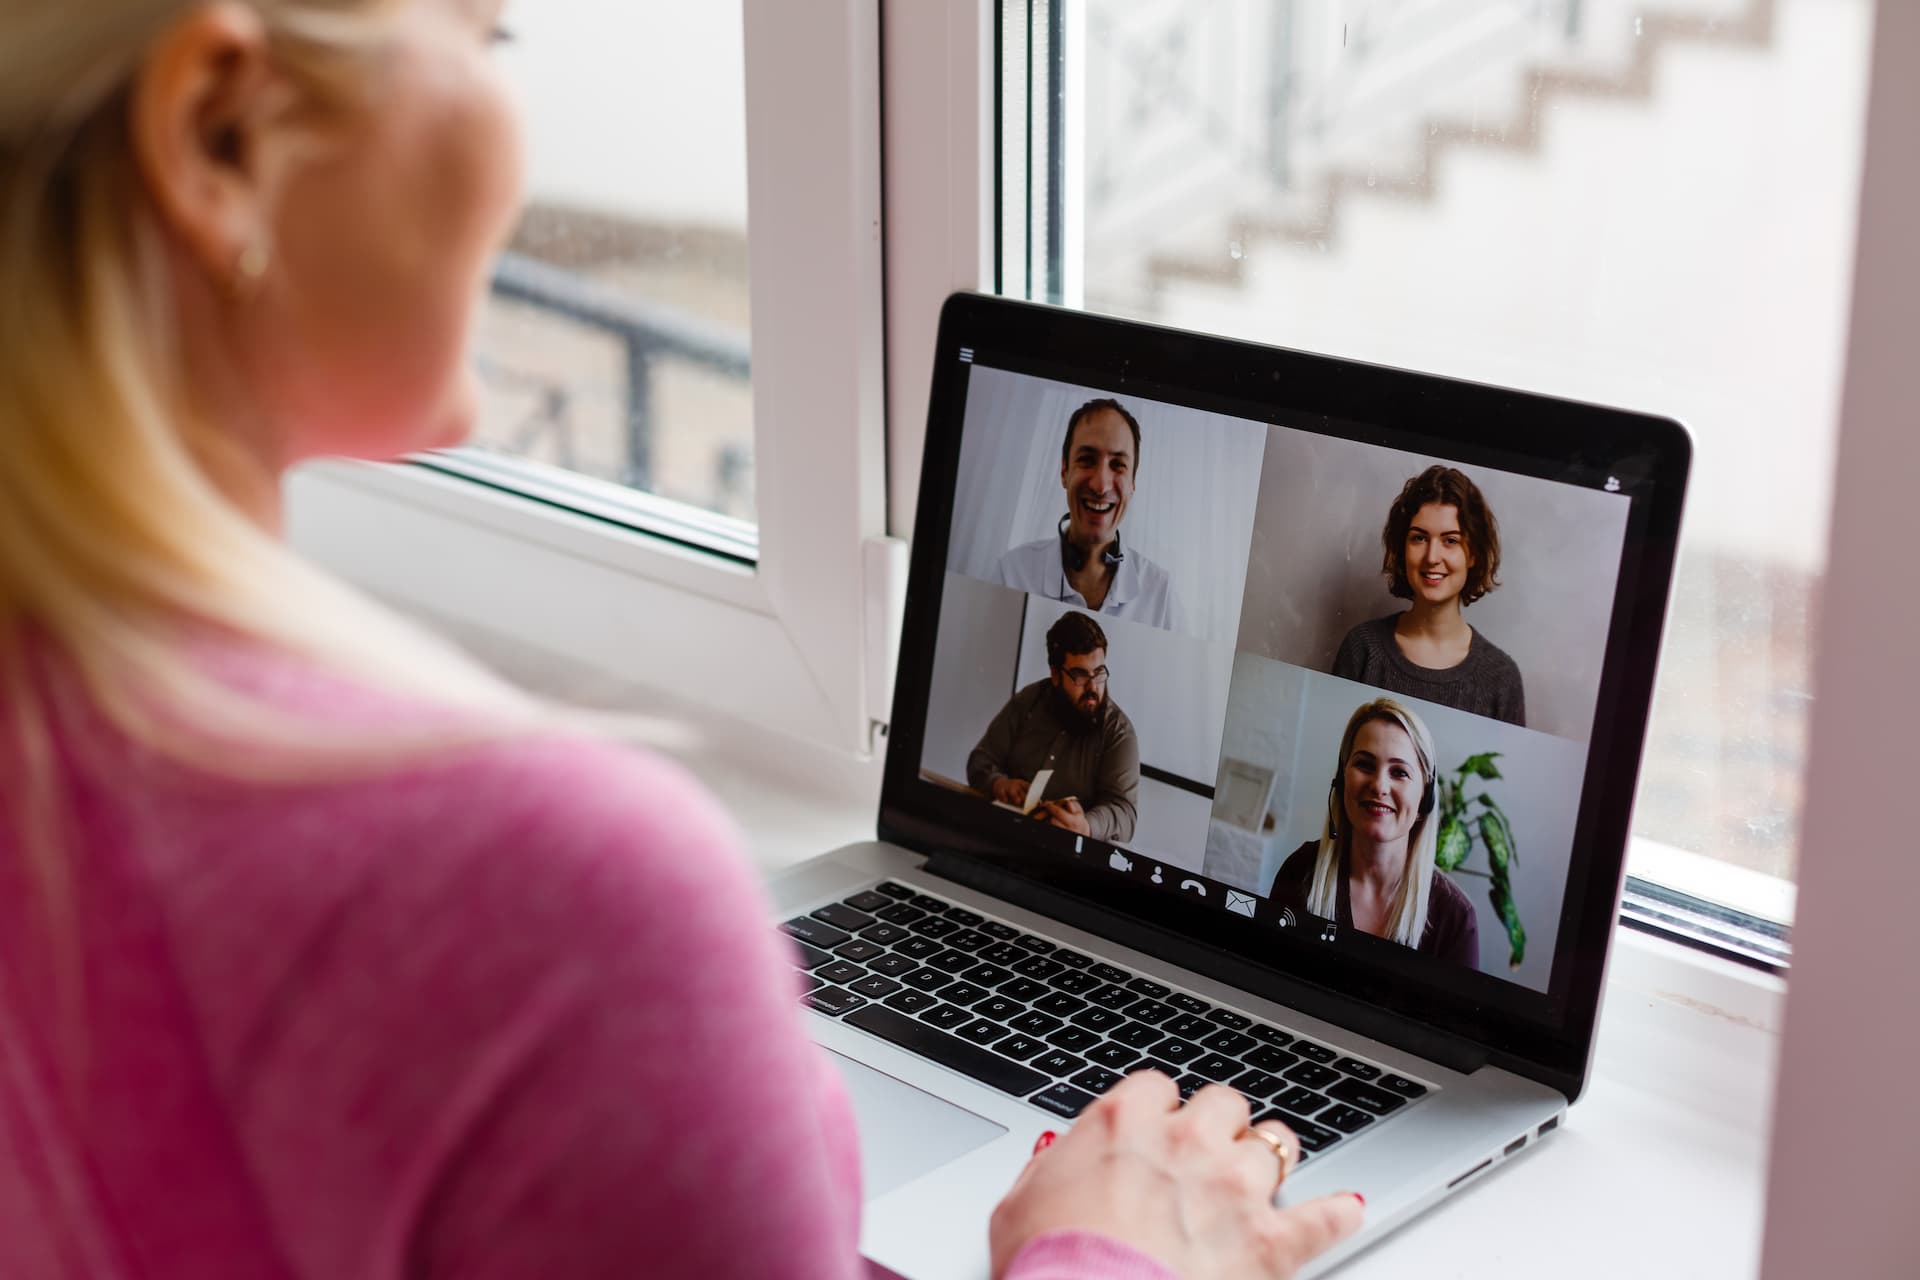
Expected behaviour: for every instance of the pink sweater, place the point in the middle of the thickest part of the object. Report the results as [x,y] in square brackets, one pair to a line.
[517,1013]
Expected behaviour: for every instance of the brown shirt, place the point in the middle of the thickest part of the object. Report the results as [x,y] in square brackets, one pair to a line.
[1098,765]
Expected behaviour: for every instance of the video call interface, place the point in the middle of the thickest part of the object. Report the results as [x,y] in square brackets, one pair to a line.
[1339,689]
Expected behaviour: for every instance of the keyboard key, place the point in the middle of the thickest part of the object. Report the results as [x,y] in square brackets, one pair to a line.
[1004,953]
[926,979]
[1097,1019]
[840,971]
[809,983]
[820,934]
[1269,1035]
[933,927]
[917,1037]
[1258,1084]
[951,961]
[833,1000]
[1180,1051]
[892,964]
[1230,1020]
[987,975]
[983,1031]
[1268,1058]
[893,890]
[1401,1085]
[1025,990]
[927,902]
[1216,1067]
[999,1008]
[919,948]
[1151,1012]
[1357,1069]
[1039,946]
[1111,997]
[1166,1069]
[1231,1042]
[1312,1136]
[964,993]
[1004,932]
[1300,1100]
[1369,1099]
[911,1001]
[1117,1057]
[1035,1024]
[1313,1052]
[947,1016]
[884,934]
[1019,1047]
[1344,1118]
[1137,1035]
[873,986]
[1071,959]
[1058,1062]
[1187,1004]
[1074,981]
[1188,1027]
[1312,1075]
[900,913]
[1059,1004]
[859,950]
[1096,1080]
[1190,1085]
[870,901]
[1063,1100]
[806,957]
[962,916]
[841,916]
[969,939]
[1074,1039]
[1147,987]
[1038,967]
[1109,973]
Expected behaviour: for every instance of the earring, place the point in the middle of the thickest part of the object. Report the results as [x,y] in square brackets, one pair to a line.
[251,267]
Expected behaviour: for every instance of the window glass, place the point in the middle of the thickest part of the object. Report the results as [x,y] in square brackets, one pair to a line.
[614,351]
[1645,206]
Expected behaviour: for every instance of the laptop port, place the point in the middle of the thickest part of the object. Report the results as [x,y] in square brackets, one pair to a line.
[1469,1173]
[1515,1145]
[1548,1127]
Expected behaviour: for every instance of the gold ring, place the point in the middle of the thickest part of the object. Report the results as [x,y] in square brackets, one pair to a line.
[1282,1149]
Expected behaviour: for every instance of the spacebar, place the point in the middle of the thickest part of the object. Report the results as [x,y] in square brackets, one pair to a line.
[949,1051]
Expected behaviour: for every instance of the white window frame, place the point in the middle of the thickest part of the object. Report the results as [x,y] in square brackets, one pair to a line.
[799,643]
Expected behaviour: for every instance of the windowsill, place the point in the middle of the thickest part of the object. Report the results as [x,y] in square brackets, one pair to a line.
[1660,1169]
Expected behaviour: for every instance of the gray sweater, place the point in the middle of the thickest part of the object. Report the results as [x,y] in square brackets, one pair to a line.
[1487,683]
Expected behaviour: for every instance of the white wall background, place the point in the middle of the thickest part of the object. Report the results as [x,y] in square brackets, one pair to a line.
[1315,569]
[1192,507]
[1292,720]
[975,652]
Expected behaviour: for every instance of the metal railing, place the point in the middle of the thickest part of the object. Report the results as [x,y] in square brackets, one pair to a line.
[647,333]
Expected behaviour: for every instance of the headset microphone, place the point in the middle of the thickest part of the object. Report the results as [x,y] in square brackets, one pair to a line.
[1075,558]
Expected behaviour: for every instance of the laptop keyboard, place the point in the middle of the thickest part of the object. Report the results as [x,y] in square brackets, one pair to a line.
[1057,1028]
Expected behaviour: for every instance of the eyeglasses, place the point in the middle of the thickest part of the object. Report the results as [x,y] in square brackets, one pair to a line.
[1080,675]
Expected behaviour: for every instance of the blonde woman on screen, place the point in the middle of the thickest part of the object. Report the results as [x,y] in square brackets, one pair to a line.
[323,953]
[1372,869]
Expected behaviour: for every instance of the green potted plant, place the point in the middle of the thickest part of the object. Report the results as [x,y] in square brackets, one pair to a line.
[1466,819]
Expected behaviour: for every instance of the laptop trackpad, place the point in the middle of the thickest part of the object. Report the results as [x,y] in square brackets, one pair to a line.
[904,1131]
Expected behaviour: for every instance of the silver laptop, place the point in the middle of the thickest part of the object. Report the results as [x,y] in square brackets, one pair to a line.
[1262,718]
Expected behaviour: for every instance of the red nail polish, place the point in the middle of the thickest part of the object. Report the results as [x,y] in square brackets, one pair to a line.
[1357,1196]
[1044,1141]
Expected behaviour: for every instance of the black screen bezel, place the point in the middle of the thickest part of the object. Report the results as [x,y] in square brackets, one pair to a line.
[1547,1037]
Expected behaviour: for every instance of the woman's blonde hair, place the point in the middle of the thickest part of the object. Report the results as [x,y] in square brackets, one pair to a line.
[1408,921]
[123,552]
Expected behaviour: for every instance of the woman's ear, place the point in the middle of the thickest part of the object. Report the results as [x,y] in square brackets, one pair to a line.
[206,121]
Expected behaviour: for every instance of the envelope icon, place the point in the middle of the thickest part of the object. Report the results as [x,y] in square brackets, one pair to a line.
[1241,902]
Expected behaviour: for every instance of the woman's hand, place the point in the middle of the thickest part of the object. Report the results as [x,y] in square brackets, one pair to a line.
[1182,1184]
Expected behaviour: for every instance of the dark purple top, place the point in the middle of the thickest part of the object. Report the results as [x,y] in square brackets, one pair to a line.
[1452,932]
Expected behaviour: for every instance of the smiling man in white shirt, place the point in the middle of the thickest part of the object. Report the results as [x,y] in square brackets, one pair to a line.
[1084,564]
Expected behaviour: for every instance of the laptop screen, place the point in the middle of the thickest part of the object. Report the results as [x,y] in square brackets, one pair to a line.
[1333,679]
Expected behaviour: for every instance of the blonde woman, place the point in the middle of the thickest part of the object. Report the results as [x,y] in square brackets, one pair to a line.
[322,954]
[1372,869]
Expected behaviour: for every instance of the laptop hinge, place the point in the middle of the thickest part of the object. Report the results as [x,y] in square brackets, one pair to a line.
[1452,1051]
[883,601]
